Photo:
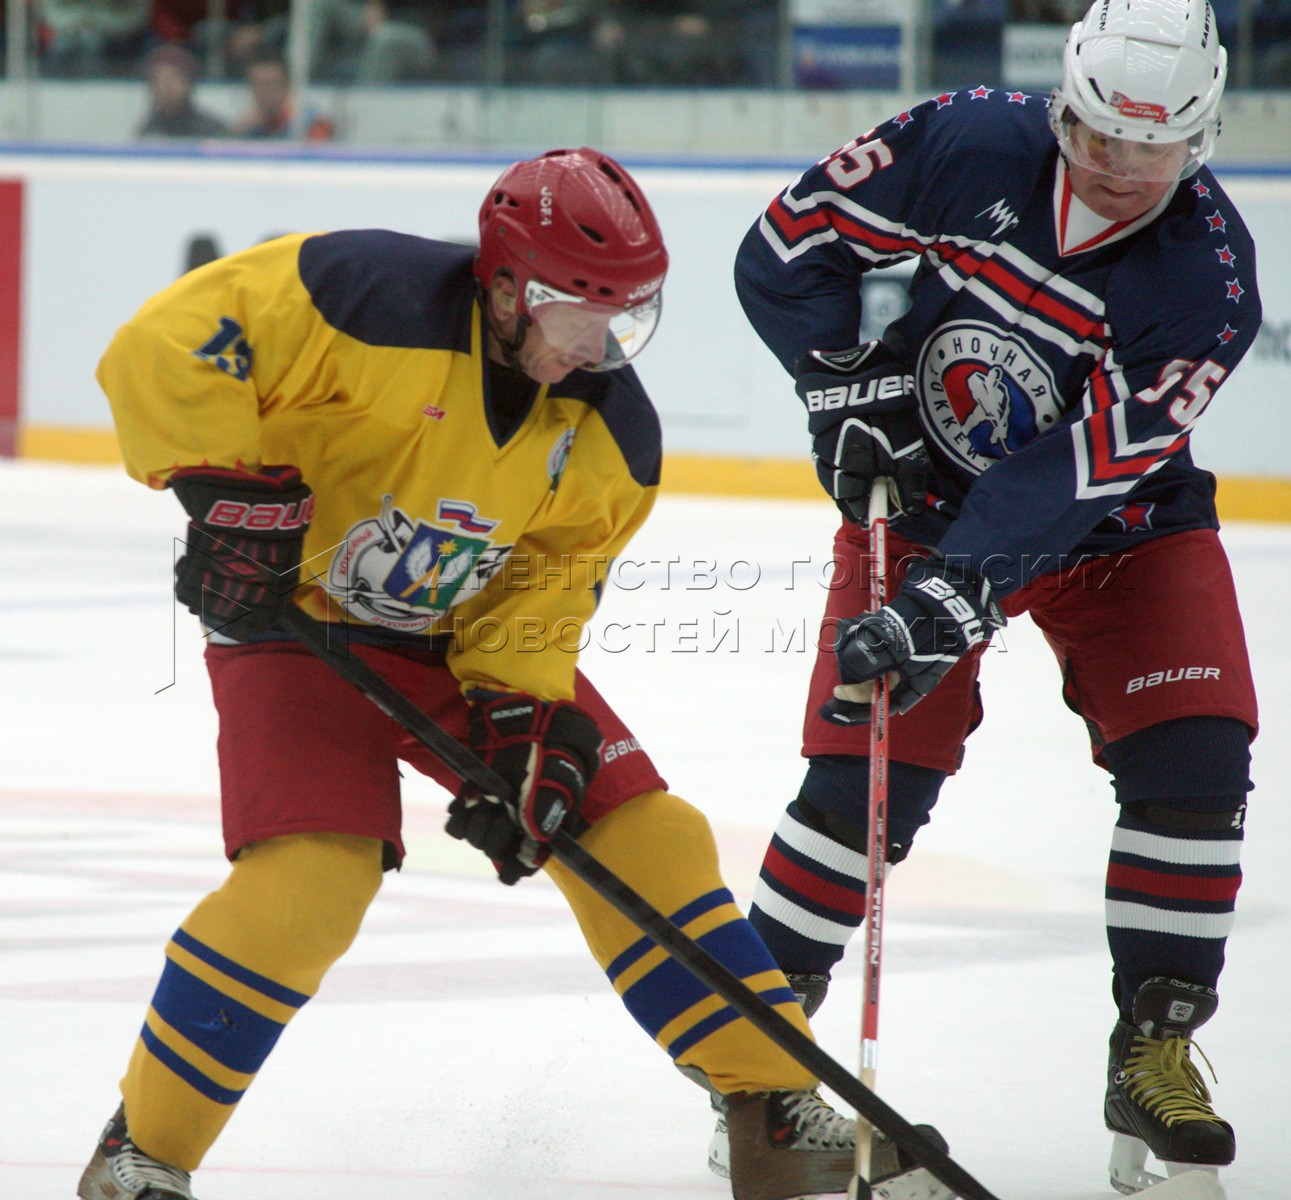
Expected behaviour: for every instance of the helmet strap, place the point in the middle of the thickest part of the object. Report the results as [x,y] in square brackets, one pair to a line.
[510,347]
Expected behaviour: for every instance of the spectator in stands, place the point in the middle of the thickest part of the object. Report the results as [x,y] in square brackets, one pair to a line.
[674,43]
[170,71]
[695,43]
[224,37]
[256,27]
[93,37]
[275,111]
[575,42]
[368,41]
[178,20]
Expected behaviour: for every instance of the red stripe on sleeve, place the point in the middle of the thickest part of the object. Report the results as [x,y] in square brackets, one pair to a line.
[795,227]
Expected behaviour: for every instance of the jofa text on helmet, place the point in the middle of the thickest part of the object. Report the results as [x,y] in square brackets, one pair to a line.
[642,290]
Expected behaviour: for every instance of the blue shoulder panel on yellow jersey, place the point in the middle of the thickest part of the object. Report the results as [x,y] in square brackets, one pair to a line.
[392,289]
[628,414]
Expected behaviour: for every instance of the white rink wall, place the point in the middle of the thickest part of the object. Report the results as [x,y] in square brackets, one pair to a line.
[102,231]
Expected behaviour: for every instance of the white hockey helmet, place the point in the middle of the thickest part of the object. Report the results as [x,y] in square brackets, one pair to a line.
[1145,71]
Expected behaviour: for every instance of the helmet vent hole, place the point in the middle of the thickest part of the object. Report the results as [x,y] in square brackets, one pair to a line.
[605,291]
[594,234]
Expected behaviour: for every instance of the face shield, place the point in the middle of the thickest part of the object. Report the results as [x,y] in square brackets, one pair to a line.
[1148,161]
[603,336]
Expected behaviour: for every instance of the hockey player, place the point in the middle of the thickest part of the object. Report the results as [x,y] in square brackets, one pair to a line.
[1083,288]
[453,446]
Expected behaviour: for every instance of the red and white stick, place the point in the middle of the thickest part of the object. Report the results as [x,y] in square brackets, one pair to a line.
[876,850]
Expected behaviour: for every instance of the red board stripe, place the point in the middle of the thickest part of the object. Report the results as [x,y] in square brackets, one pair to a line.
[10,312]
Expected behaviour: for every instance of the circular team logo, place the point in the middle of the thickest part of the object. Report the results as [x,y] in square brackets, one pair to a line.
[985,393]
[403,575]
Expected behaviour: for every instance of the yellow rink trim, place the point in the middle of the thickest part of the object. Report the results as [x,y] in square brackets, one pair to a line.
[65,443]
[1241,497]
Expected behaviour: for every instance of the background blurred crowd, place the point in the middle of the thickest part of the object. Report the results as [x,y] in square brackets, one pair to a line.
[176,45]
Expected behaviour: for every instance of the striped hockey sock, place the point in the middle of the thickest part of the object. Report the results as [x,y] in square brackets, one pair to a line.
[810,896]
[1170,897]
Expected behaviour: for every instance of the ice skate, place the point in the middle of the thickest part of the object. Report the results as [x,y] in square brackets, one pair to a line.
[794,1144]
[119,1170]
[810,991]
[1156,1100]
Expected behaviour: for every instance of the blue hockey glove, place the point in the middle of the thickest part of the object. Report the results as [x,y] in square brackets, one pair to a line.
[863,418]
[246,534]
[941,610]
[548,753]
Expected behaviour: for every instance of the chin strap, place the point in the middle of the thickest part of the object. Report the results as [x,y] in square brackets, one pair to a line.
[510,348]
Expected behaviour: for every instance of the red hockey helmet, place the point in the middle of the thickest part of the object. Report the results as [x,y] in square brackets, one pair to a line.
[575,231]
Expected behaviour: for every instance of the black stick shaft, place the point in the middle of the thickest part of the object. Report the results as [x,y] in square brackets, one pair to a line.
[317,637]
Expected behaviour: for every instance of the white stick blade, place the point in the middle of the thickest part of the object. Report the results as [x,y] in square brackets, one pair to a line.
[1191,1185]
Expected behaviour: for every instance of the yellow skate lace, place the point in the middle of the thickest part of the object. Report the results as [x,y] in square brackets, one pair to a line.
[1162,1078]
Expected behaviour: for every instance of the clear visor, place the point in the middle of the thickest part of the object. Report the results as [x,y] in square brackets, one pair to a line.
[603,336]
[1121,158]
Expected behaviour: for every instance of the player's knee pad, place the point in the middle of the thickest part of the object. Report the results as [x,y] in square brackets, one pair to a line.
[651,831]
[1189,774]
[291,905]
[835,799]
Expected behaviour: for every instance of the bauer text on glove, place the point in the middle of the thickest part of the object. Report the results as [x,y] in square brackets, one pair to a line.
[863,417]
[941,611]
[246,534]
[548,752]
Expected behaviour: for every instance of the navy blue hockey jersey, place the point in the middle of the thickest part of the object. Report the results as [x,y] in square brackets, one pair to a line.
[1060,360]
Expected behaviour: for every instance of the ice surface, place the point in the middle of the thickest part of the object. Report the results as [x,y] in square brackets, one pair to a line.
[468,1047]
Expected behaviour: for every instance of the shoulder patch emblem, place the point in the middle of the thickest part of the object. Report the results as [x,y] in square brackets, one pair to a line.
[558,459]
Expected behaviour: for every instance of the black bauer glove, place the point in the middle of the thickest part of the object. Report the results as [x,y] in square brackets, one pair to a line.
[941,610]
[863,418]
[245,539]
[548,752]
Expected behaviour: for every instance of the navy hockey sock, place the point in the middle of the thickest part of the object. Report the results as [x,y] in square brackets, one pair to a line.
[810,896]
[1174,869]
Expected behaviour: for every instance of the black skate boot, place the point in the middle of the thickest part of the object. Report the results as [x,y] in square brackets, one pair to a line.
[1156,1098]
[119,1170]
[786,1144]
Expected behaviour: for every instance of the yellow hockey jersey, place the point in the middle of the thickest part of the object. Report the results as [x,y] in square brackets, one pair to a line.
[359,357]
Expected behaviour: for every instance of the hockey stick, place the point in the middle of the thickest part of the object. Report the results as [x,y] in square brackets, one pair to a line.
[877,846]
[317,637]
